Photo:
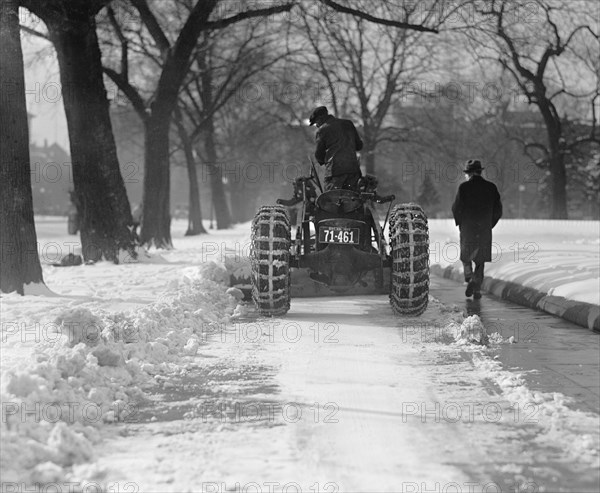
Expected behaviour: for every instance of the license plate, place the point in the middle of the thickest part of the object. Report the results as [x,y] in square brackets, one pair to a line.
[339,235]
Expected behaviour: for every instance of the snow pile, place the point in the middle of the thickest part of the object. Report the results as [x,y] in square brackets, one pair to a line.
[95,369]
[471,331]
[239,268]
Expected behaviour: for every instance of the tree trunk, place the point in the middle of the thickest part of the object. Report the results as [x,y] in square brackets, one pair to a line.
[239,204]
[559,185]
[156,221]
[105,213]
[19,260]
[219,199]
[558,172]
[195,226]
[558,176]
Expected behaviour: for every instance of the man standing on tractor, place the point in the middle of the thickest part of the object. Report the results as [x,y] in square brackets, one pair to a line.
[337,143]
[476,209]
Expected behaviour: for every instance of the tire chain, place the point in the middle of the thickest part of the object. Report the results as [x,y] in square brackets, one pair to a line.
[269,259]
[409,243]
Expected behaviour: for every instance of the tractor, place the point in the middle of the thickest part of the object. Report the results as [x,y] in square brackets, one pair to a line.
[332,243]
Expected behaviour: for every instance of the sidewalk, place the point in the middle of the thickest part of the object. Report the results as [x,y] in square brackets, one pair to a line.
[578,312]
[551,354]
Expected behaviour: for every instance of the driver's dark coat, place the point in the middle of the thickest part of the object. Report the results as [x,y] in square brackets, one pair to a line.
[476,209]
[337,143]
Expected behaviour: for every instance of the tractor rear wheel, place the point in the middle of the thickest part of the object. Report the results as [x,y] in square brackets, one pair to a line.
[409,243]
[270,260]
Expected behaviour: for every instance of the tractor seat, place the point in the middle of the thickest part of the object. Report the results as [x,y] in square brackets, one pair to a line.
[339,201]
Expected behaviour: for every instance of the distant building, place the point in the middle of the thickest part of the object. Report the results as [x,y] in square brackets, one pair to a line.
[51,177]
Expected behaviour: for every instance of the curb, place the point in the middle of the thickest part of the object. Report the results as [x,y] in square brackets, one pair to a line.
[578,312]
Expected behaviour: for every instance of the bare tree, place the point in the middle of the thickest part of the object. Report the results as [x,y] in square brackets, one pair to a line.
[224,62]
[367,66]
[104,210]
[19,260]
[195,226]
[551,50]
[157,111]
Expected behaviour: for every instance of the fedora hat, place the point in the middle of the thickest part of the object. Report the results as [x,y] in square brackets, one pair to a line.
[317,112]
[473,165]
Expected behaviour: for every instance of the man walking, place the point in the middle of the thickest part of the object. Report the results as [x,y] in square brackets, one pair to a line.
[476,209]
[337,143]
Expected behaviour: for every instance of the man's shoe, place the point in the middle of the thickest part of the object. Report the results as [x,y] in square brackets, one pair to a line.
[477,295]
[470,289]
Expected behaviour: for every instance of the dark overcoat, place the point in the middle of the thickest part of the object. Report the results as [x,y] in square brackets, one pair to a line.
[337,143]
[476,209]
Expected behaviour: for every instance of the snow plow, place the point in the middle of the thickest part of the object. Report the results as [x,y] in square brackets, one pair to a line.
[323,243]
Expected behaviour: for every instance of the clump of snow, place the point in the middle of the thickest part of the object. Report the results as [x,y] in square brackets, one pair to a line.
[472,331]
[239,267]
[70,446]
[79,325]
[191,347]
[47,472]
[95,370]
[236,293]
[497,338]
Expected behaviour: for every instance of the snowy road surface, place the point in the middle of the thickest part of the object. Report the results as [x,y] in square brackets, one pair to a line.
[339,395]
[146,377]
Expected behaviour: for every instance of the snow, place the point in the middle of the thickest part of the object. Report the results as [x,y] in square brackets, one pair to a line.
[81,356]
[89,353]
[560,258]
[37,289]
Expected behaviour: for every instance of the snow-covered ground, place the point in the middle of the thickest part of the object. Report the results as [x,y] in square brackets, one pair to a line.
[560,258]
[150,377]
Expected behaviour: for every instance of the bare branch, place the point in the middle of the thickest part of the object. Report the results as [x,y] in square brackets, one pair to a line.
[124,49]
[153,26]
[221,23]
[378,20]
[129,91]
[33,32]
